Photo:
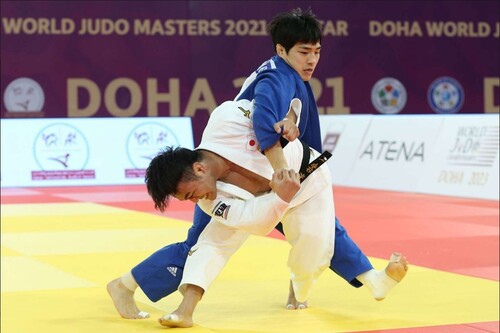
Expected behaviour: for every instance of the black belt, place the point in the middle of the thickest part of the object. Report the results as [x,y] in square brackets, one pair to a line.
[307,168]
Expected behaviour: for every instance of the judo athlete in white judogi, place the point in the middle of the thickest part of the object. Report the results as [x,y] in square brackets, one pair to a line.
[307,220]
[229,153]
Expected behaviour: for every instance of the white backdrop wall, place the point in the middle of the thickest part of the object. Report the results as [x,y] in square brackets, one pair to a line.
[453,155]
[437,154]
[87,151]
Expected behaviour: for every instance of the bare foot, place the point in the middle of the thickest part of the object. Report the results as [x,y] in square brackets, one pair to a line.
[123,299]
[397,267]
[174,320]
[183,316]
[292,303]
[393,274]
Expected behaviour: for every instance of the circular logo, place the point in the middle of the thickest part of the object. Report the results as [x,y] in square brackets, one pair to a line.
[388,96]
[146,140]
[23,95]
[61,147]
[445,95]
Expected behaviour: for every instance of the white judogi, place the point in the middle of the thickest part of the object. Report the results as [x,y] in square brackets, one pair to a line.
[308,220]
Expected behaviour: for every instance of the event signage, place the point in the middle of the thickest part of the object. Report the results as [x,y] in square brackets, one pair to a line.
[88,151]
[153,59]
[434,154]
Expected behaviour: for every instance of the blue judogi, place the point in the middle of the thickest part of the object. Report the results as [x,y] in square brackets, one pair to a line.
[272,86]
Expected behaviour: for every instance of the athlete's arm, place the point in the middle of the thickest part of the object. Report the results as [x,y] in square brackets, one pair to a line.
[289,127]
[257,215]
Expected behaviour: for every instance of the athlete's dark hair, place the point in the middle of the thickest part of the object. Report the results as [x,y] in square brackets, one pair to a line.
[294,26]
[166,170]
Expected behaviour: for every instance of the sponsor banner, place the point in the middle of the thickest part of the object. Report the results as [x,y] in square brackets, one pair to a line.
[464,158]
[435,154]
[98,151]
[342,135]
[183,58]
[393,152]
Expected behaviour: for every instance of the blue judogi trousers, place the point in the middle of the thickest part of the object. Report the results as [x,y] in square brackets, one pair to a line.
[160,274]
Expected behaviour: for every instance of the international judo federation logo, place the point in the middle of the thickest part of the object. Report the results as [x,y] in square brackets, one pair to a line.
[62,152]
[24,95]
[445,95]
[388,96]
[143,144]
[221,210]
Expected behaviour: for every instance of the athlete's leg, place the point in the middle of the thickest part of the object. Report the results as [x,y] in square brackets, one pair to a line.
[309,229]
[215,246]
[380,282]
[121,291]
[183,316]
[159,275]
[349,261]
[155,274]
[351,264]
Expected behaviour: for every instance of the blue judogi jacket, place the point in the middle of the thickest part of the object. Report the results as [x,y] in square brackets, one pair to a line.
[272,86]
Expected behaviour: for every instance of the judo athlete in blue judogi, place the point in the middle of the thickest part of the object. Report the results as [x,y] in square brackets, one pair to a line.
[230,180]
[160,274]
[271,87]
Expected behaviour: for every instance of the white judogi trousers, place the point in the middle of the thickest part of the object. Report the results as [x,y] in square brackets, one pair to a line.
[309,227]
[308,220]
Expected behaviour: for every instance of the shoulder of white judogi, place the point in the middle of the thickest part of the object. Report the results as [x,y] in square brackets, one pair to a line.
[229,133]
[229,119]
[238,111]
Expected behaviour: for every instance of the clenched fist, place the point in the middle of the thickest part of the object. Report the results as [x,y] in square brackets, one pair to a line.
[285,183]
[287,128]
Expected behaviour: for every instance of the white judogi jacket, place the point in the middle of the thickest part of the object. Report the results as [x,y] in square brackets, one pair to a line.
[308,220]
[229,133]
[237,208]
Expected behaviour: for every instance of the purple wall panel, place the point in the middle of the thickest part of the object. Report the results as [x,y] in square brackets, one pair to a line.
[189,44]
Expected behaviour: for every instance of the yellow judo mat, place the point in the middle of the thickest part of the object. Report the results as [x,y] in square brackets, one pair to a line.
[57,259]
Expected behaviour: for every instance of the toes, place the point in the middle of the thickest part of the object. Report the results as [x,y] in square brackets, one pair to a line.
[173,320]
[173,317]
[166,320]
[395,257]
[143,315]
[297,306]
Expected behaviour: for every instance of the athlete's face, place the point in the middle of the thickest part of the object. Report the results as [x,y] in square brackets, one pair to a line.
[302,57]
[203,187]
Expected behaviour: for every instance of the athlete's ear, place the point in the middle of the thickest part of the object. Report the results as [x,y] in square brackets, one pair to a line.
[199,168]
[280,50]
